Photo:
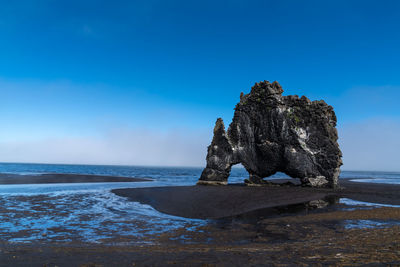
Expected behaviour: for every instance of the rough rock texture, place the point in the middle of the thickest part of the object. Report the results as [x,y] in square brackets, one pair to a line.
[273,133]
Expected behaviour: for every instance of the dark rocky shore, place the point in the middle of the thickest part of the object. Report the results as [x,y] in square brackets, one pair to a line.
[64,178]
[259,226]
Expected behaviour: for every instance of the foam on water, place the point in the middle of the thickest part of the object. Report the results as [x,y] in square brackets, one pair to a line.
[89,216]
[372,177]
[86,211]
[69,188]
[378,180]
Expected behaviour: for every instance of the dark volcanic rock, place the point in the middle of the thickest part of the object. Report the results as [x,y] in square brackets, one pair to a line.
[273,133]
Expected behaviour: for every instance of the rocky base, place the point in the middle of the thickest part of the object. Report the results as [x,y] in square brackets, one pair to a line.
[211,183]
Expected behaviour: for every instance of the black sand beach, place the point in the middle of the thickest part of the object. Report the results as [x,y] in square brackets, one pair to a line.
[210,202]
[64,178]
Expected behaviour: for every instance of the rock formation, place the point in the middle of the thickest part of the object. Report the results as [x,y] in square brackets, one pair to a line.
[272,133]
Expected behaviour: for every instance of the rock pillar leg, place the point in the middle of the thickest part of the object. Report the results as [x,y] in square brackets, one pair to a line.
[219,158]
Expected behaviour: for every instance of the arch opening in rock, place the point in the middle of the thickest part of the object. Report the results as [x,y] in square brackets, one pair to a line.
[279,178]
[238,174]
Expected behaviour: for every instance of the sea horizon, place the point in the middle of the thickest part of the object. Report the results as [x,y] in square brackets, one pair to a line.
[239,166]
[238,174]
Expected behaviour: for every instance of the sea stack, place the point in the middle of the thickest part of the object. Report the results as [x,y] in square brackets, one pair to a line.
[273,133]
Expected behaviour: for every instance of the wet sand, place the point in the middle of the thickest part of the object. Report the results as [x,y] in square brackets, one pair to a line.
[211,202]
[314,239]
[64,178]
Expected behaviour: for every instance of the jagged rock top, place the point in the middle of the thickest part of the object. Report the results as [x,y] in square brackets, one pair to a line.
[274,133]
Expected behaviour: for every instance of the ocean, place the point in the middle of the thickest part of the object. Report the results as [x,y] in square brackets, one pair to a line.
[172,175]
[89,212]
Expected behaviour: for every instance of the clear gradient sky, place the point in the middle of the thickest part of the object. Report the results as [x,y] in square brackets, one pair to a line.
[142,82]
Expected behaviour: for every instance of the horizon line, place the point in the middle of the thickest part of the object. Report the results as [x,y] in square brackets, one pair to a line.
[161,166]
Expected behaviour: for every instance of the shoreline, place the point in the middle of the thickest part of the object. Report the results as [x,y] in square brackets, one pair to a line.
[55,178]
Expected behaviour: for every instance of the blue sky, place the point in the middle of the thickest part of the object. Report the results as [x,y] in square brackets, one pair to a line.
[142,82]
